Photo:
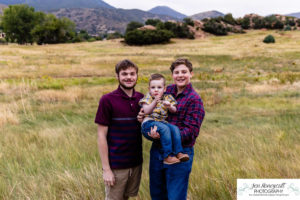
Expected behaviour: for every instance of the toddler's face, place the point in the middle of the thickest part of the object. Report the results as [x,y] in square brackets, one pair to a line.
[157,88]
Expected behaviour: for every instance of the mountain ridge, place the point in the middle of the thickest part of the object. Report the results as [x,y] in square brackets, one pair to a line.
[46,5]
[165,10]
[297,15]
[101,20]
[207,14]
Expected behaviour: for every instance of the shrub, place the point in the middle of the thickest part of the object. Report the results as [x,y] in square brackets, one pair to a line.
[272,22]
[229,19]
[3,41]
[152,22]
[146,37]
[287,28]
[290,21]
[214,27]
[133,25]
[245,23]
[269,39]
[188,21]
[258,23]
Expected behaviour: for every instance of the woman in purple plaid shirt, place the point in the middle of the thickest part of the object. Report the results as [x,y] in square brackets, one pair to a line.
[171,181]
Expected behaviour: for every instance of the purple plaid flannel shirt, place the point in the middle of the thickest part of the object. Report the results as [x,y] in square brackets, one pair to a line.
[190,113]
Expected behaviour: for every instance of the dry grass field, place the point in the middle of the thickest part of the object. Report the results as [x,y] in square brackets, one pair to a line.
[49,95]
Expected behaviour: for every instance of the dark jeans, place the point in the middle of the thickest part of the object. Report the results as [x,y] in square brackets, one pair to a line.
[170,137]
[169,182]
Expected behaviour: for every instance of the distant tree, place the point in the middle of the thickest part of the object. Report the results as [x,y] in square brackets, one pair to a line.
[245,23]
[298,22]
[287,28]
[188,21]
[133,25]
[146,37]
[214,27]
[272,22]
[229,19]
[18,21]
[152,22]
[84,35]
[258,22]
[290,21]
[53,30]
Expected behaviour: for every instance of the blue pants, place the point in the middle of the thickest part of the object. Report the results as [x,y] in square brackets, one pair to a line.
[169,182]
[170,137]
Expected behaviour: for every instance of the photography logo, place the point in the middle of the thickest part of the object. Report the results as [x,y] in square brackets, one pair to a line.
[268,189]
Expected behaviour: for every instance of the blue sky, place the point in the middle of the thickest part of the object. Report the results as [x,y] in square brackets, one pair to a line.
[237,7]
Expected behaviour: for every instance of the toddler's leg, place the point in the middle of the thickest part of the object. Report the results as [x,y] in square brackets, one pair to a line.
[176,140]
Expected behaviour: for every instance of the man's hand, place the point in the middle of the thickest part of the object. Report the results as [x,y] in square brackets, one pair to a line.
[153,133]
[141,115]
[108,177]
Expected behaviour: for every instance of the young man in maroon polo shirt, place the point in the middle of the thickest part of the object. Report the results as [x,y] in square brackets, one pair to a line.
[119,135]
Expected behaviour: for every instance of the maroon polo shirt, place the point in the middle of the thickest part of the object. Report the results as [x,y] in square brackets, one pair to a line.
[119,112]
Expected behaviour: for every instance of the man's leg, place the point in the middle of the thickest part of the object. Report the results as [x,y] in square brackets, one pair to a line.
[177,177]
[158,190]
[133,182]
[117,191]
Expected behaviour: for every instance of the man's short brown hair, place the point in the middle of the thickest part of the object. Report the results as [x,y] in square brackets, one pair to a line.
[125,64]
[181,61]
[157,77]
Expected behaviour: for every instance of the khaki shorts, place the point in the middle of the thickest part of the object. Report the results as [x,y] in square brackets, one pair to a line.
[126,185]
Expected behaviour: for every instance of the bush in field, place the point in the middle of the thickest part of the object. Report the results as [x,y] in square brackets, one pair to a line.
[146,37]
[133,25]
[269,39]
[272,22]
[152,22]
[188,21]
[245,23]
[258,22]
[178,30]
[229,19]
[214,27]
[290,21]
[287,28]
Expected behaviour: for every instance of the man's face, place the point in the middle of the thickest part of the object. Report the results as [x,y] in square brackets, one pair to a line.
[127,78]
[181,76]
[157,88]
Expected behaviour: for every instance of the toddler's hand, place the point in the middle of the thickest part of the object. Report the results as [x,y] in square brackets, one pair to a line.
[157,99]
[167,104]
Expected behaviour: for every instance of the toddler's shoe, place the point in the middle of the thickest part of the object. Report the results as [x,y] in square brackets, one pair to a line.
[171,160]
[183,157]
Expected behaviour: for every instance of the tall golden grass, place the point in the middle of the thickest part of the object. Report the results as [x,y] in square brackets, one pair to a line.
[49,96]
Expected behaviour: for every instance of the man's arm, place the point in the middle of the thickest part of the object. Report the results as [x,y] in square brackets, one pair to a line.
[108,176]
[193,120]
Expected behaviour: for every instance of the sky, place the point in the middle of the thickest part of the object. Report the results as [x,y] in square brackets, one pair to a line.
[238,8]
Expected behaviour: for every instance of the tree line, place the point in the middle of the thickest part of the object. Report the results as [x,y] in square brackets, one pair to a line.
[23,25]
